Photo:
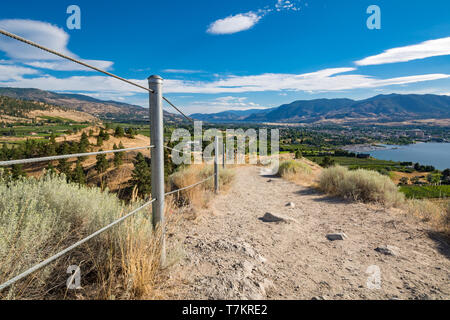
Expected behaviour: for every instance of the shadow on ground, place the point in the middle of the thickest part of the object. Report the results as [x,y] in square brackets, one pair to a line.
[321,197]
[441,241]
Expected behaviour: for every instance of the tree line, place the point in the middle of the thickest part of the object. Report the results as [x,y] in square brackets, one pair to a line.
[140,177]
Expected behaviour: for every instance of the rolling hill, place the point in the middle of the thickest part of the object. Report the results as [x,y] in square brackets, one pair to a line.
[381,108]
[13,110]
[105,110]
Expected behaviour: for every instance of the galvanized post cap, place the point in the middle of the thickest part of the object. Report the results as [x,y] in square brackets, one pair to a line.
[155,78]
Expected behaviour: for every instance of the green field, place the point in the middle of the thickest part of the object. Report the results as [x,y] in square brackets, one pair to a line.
[426,192]
[42,131]
[355,163]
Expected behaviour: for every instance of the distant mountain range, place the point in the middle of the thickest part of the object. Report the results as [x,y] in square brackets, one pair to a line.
[105,110]
[232,115]
[381,108]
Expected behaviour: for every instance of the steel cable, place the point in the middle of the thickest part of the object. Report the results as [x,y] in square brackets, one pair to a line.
[67,156]
[188,187]
[75,245]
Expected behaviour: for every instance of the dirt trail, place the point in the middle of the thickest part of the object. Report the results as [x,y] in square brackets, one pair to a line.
[231,254]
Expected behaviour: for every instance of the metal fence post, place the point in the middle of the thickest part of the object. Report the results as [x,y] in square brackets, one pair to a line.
[223,155]
[157,158]
[216,165]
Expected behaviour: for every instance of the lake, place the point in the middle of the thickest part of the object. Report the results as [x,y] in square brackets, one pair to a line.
[433,153]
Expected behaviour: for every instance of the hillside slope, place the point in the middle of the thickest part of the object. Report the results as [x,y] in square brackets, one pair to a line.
[14,110]
[229,253]
[106,110]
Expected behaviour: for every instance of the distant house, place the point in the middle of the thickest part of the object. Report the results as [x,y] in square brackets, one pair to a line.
[363,155]
[417,133]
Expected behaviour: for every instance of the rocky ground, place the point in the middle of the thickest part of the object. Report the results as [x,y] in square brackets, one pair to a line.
[235,250]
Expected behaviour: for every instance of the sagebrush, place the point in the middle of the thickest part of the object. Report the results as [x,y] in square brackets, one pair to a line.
[360,185]
[40,217]
[296,171]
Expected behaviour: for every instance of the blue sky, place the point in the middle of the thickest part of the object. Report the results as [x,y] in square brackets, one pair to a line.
[229,55]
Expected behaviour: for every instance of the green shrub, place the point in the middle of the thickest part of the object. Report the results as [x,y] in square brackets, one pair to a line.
[330,179]
[327,162]
[360,185]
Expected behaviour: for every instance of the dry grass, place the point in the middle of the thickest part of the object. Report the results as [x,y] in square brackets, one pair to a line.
[370,186]
[446,220]
[41,217]
[199,196]
[360,185]
[436,213]
[297,171]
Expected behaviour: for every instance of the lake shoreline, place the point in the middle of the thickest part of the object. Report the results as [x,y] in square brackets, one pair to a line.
[436,154]
[363,147]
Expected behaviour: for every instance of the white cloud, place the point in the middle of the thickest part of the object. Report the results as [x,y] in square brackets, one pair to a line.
[327,80]
[236,23]
[321,81]
[427,49]
[69,65]
[225,103]
[244,21]
[15,73]
[75,83]
[286,5]
[41,32]
[47,35]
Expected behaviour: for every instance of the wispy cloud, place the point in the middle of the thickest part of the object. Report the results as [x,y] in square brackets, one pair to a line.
[47,35]
[327,80]
[427,49]
[245,21]
[225,103]
[182,71]
[69,66]
[287,5]
[14,73]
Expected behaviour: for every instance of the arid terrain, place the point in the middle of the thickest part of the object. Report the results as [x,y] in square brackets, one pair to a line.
[229,252]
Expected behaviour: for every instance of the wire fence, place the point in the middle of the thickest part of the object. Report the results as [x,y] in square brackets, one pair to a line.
[68,156]
[189,187]
[95,234]
[158,146]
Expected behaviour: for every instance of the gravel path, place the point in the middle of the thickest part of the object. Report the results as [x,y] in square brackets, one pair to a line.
[230,253]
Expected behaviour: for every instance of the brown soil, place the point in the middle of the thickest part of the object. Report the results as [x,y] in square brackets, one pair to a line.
[398,175]
[229,253]
[67,114]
